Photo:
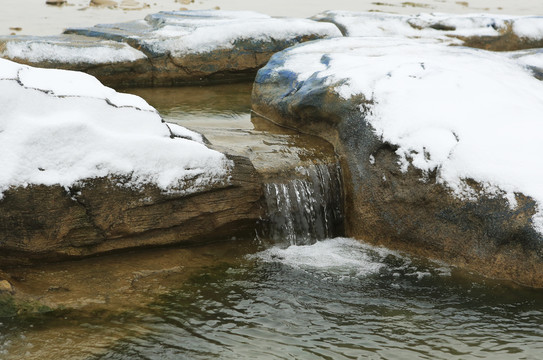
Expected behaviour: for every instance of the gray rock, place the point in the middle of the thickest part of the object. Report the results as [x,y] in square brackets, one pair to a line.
[114,63]
[192,47]
[405,210]
[484,31]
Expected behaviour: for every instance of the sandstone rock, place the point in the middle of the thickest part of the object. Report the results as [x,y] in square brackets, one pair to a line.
[484,31]
[88,170]
[114,63]
[359,94]
[168,48]
[5,286]
[192,47]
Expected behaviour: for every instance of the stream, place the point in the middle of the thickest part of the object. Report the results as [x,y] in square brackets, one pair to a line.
[296,290]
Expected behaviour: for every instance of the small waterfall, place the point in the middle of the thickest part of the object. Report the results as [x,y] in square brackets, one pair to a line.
[304,210]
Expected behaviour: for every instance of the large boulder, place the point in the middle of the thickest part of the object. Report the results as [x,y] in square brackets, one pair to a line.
[87,170]
[114,63]
[169,48]
[439,145]
[485,31]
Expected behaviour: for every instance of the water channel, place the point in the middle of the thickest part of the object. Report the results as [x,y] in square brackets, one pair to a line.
[285,293]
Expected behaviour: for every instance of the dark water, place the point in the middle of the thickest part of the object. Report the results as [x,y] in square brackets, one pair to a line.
[338,299]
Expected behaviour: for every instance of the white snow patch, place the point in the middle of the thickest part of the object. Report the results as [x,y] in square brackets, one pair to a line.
[58,128]
[434,25]
[180,131]
[530,27]
[42,50]
[531,58]
[9,70]
[75,83]
[467,113]
[201,31]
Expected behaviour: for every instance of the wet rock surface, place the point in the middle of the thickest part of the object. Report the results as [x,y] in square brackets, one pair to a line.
[401,209]
[50,223]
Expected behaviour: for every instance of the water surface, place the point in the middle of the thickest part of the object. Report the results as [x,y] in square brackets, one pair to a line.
[336,299]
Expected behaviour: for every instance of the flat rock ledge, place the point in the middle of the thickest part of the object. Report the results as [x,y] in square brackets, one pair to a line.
[419,127]
[50,223]
[87,170]
[483,31]
[169,48]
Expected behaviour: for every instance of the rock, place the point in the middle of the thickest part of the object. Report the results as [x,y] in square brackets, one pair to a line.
[484,31]
[114,63]
[56,2]
[5,287]
[169,48]
[87,170]
[438,145]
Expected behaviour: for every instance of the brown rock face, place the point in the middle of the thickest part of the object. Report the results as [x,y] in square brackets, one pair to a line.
[386,206]
[51,222]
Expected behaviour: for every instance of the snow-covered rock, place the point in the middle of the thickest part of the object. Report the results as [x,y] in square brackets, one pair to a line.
[489,31]
[115,63]
[441,144]
[192,46]
[531,58]
[93,165]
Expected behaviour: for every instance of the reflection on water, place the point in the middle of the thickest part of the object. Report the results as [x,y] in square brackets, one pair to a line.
[338,299]
[222,114]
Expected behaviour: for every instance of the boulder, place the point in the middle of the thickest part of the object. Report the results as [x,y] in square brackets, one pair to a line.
[114,63]
[484,31]
[439,145]
[169,48]
[532,59]
[87,170]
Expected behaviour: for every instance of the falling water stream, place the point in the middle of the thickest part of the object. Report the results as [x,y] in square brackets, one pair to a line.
[298,291]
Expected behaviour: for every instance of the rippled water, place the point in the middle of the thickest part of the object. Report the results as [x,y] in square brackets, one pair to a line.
[338,299]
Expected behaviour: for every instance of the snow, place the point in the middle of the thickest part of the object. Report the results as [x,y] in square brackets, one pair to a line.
[60,127]
[433,25]
[183,32]
[529,27]
[72,83]
[38,50]
[531,58]
[467,113]
[182,132]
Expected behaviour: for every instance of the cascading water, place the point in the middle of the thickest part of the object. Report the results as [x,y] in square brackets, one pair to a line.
[304,210]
